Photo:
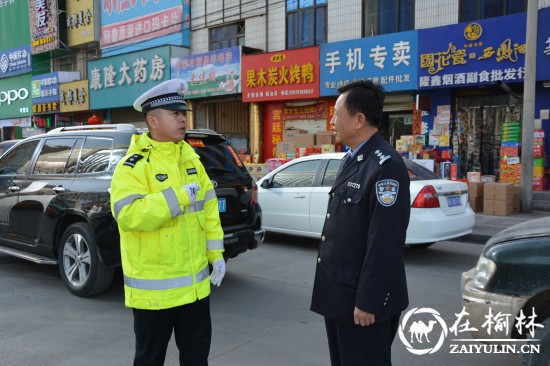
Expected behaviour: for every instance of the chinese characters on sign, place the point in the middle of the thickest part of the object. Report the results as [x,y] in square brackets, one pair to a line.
[292,74]
[80,22]
[140,71]
[73,96]
[43,18]
[486,52]
[389,60]
[15,61]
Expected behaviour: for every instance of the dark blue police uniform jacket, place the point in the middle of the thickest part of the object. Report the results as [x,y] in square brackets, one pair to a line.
[360,261]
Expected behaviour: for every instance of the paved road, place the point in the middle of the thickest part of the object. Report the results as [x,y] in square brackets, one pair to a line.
[260,314]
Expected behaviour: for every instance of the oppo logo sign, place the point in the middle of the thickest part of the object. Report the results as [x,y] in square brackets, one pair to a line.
[12,95]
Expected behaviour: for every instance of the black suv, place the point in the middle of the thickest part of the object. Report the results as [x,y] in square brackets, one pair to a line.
[55,202]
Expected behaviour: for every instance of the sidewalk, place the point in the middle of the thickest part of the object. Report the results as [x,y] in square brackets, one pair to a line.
[487,225]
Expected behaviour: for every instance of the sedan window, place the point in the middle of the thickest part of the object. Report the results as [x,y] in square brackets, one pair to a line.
[18,160]
[297,175]
[330,173]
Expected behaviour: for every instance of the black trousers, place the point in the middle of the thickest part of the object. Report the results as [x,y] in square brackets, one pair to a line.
[192,328]
[354,345]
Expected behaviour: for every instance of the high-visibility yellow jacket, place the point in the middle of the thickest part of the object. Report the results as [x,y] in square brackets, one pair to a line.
[166,243]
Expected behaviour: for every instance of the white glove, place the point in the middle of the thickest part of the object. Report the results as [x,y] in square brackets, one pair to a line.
[218,271]
[192,190]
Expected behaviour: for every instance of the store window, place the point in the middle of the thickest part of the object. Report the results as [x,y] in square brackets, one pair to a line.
[231,35]
[481,9]
[306,23]
[387,16]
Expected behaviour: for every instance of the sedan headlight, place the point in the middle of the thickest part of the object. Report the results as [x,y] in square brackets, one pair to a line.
[485,269]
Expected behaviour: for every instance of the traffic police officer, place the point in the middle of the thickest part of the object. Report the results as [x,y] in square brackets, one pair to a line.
[360,286]
[167,213]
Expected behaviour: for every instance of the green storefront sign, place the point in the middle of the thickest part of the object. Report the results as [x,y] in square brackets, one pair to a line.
[15,96]
[14,24]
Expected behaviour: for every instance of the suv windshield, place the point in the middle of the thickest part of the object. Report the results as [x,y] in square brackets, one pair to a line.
[418,172]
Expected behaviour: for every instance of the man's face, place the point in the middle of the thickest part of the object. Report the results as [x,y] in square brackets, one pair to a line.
[166,125]
[342,123]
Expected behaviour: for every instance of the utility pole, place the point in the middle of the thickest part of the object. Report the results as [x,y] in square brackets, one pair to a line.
[529,107]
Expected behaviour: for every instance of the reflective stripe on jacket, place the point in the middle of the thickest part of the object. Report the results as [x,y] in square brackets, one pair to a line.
[166,243]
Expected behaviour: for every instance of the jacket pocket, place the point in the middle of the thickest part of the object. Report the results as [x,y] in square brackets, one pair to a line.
[158,249]
[347,276]
[350,208]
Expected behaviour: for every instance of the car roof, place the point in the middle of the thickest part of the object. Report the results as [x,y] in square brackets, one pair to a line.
[530,229]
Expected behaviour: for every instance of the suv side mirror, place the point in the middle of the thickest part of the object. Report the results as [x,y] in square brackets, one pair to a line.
[266,184]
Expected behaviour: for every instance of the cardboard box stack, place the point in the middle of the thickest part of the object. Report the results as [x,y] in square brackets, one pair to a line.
[510,163]
[539,162]
[475,195]
[498,199]
[517,198]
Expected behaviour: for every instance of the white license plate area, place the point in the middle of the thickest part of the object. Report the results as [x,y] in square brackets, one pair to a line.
[454,201]
[222,207]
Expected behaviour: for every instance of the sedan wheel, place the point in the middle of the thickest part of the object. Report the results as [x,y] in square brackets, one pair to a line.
[79,263]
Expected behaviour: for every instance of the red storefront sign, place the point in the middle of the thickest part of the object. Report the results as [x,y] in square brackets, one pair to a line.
[284,75]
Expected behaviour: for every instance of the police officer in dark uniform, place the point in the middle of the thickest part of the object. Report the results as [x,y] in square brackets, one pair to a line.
[360,285]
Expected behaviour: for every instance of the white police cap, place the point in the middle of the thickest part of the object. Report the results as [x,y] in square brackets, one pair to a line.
[166,95]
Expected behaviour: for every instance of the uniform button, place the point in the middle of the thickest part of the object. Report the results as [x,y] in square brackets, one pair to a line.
[349,199]
[318,259]
[328,216]
[323,238]
[333,195]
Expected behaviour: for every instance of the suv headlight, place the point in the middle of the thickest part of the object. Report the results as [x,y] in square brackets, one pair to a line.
[485,269]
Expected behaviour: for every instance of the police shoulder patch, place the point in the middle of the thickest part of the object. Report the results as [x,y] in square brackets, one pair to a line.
[382,156]
[132,160]
[161,177]
[386,191]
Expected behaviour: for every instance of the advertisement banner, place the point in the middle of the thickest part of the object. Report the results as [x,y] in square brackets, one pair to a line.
[147,22]
[389,60]
[45,88]
[209,74]
[44,25]
[15,97]
[81,22]
[118,80]
[473,53]
[283,75]
[14,20]
[15,61]
[73,96]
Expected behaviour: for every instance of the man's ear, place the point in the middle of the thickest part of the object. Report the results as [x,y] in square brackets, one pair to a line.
[361,121]
[152,121]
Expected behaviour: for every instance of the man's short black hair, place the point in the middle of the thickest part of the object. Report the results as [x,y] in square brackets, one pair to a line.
[365,97]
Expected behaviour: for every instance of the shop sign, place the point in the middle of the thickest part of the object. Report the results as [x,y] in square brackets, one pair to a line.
[118,80]
[316,111]
[543,45]
[80,17]
[209,74]
[474,53]
[147,22]
[283,75]
[74,96]
[44,25]
[14,122]
[15,96]
[389,60]
[45,88]
[45,108]
[14,24]
[15,61]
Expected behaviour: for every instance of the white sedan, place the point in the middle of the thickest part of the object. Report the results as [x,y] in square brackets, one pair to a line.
[294,199]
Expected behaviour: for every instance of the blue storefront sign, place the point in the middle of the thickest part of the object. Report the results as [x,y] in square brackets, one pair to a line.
[389,60]
[118,80]
[209,74]
[45,88]
[144,24]
[543,45]
[15,61]
[472,53]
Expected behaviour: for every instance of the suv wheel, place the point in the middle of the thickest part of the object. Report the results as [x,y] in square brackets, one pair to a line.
[542,358]
[79,263]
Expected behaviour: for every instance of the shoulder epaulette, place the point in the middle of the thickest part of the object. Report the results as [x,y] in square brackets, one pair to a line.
[132,160]
[382,157]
